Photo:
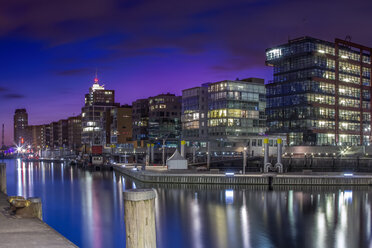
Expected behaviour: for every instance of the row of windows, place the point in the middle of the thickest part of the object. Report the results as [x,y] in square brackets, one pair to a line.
[300,87]
[301,112]
[237,113]
[235,86]
[235,122]
[313,46]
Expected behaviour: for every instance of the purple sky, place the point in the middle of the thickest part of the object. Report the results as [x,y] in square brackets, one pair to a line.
[51,48]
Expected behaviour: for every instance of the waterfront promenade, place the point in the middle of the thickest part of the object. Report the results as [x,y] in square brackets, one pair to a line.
[159,174]
[27,232]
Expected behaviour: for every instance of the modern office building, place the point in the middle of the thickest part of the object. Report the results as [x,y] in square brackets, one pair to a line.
[236,111]
[195,113]
[157,120]
[95,115]
[121,126]
[140,115]
[165,119]
[74,132]
[20,126]
[321,92]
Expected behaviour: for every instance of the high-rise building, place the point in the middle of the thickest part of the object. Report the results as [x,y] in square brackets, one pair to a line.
[74,132]
[140,115]
[20,126]
[165,118]
[95,115]
[321,92]
[195,113]
[121,126]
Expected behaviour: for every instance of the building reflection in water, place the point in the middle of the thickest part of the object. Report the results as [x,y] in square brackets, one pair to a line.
[87,207]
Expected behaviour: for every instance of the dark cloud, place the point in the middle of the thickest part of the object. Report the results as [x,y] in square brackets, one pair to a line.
[3,89]
[241,29]
[13,96]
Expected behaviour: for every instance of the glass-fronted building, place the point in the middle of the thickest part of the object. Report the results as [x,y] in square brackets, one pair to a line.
[236,111]
[320,93]
[194,113]
[165,119]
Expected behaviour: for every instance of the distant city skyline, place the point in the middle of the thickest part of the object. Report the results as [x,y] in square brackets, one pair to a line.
[145,48]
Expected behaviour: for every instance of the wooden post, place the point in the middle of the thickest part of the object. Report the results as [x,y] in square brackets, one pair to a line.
[139,215]
[3,178]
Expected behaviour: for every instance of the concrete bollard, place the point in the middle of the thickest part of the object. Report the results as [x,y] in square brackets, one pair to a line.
[183,148]
[139,214]
[3,178]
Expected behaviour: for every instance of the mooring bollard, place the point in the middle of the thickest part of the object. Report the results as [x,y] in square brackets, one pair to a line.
[183,148]
[27,208]
[3,178]
[139,214]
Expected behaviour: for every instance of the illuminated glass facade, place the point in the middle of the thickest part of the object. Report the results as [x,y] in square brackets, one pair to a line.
[194,113]
[236,109]
[320,93]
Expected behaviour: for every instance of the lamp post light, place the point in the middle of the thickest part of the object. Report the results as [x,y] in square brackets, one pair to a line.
[244,159]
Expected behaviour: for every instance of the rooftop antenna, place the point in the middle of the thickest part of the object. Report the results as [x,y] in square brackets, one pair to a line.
[348,39]
[96,77]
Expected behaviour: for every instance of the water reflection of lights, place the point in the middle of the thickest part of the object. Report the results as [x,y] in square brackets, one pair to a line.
[229,196]
[245,224]
[348,196]
[196,224]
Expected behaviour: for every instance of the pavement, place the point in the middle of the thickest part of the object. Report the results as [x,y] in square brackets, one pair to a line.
[27,232]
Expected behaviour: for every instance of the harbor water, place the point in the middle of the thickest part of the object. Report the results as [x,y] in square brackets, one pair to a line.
[88,209]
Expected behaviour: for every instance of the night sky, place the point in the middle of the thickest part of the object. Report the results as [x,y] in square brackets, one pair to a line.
[50,49]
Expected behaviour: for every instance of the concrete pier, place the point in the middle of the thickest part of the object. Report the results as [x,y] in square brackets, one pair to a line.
[272,179]
[27,232]
[139,207]
[3,178]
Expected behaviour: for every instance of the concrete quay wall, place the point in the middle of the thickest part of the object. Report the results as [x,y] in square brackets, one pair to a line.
[252,179]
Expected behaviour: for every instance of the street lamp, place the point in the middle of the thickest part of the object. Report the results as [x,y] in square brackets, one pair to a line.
[244,158]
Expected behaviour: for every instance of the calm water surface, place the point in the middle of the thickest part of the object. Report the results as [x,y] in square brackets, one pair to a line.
[87,208]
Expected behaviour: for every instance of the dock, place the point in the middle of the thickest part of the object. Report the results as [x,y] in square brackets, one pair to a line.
[27,232]
[161,175]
